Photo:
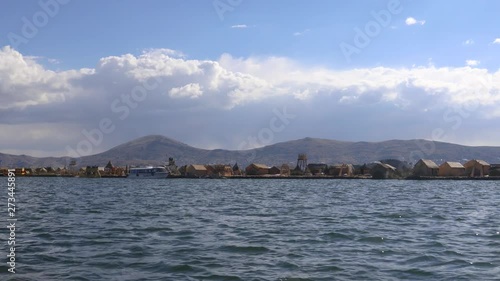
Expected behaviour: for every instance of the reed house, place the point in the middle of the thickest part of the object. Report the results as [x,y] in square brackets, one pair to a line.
[477,168]
[425,168]
[451,169]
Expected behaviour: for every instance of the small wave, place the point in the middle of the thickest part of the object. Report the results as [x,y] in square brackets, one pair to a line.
[456,263]
[329,268]
[137,251]
[180,268]
[287,265]
[495,236]
[434,244]
[483,264]
[183,233]
[438,217]
[244,249]
[337,236]
[418,272]
[419,259]
[155,228]
[45,236]
[372,239]
[392,216]
[220,277]
[46,258]
[452,253]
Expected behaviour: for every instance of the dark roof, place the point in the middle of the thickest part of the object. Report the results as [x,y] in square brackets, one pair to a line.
[109,165]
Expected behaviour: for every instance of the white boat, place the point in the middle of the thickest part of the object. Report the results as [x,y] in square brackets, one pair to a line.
[148,173]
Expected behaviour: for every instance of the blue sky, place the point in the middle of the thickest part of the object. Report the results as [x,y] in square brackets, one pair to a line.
[85,31]
[247,58]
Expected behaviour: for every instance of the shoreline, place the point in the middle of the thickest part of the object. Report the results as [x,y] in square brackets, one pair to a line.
[280,177]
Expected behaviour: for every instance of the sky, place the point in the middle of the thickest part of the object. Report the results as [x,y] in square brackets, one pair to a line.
[80,77]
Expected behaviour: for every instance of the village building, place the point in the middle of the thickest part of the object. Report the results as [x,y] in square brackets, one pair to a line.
[285,170]
[182,170]
[221,170]
[256,169]
[363,170]
[425,168]
[20,172]
[109,168]
[495,170]
[451,169]
[40,171]
[341,170]
[274,170]
[317,169]
[90,172]
[196,171]
[381,170]
[297,171]
[477,168]
[4,171]
[236,170]
[210,170]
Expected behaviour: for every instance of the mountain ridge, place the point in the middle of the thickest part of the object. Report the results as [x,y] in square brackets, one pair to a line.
[155,150]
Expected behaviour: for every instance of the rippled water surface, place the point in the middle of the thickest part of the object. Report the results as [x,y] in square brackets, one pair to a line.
[179,229]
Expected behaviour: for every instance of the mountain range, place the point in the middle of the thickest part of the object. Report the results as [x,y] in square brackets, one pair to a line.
[155,150]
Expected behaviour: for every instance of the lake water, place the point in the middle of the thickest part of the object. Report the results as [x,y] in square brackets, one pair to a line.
[251,229]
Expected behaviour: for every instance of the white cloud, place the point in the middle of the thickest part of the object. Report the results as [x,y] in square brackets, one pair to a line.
[164,52]
[239,26]
[198,97]
[54,61]
[413,21]
[192,90]
[468,42]
[472,62]
[496,41]
[300,33]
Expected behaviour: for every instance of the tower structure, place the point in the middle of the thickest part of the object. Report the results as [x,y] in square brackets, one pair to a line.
[302,162]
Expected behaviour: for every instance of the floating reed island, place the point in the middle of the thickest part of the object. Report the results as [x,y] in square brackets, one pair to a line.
[424,169]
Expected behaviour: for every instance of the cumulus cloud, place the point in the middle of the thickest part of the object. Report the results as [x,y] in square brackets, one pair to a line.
[26,83]
[413,21]
[220,103]
[496,41]
[472,62]
[192,90]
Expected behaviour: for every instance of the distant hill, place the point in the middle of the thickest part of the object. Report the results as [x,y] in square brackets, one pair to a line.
[155,149]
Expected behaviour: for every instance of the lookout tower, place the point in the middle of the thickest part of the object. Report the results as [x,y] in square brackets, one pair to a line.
[171,161]
[72,164]
[302,162]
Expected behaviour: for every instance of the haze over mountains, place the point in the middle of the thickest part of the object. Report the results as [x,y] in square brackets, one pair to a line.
[155,149]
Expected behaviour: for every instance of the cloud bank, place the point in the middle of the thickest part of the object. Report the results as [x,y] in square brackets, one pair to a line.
[222,103]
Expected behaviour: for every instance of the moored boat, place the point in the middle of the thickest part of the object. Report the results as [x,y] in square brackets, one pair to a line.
[148,173]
